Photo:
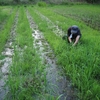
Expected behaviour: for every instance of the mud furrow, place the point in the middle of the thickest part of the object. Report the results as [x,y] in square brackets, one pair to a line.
[51,25]
[57,85]
[6,62]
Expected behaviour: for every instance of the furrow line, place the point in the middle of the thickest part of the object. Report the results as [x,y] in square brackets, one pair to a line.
[7,61]
[59,32]
[57,84]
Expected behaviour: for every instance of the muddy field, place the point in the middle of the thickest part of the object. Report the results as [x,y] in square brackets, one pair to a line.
[37,64]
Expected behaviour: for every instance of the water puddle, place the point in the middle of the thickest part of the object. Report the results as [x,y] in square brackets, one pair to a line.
[6,62]
[57,84]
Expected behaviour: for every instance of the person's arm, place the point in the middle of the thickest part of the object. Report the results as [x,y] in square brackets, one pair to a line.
[69,33]
[69,39]
[76,40]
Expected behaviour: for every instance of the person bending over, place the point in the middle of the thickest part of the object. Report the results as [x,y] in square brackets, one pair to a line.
[73,34]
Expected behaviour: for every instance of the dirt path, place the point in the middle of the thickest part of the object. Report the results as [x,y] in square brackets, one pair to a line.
[6,62]
[57,84]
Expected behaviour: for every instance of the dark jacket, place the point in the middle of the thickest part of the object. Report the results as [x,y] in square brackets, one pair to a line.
[73,35]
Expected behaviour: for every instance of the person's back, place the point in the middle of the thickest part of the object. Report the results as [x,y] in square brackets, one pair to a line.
[73,34]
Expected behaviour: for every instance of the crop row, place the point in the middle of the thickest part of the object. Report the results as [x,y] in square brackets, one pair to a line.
[81,63]
[90,14]
[26,76]
[4,14]
[4,34]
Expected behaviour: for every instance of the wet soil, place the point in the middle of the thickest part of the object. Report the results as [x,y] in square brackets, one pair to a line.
[57,84]
[6,62]
[51,25]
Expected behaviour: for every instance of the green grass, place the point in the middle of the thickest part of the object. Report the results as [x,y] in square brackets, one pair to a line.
[5,33]
[26,72]
[81,62]
[90,14]
[4,13]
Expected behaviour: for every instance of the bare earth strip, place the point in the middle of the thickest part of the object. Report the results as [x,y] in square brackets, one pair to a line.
[57,84]
[6,62]
[51,25]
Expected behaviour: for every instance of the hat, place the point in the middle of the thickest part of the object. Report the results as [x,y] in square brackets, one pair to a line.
[74,29]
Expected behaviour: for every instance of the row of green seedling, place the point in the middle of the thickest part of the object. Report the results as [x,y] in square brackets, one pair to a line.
[26,72]
[5,33]
[56,18]
[86,13]
[4,15]
[80,63]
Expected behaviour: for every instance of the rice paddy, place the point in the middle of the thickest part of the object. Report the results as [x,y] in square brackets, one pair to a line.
[37,64]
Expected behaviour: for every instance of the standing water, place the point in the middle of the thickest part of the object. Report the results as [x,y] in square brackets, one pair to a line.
[57,85]
[6,62]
